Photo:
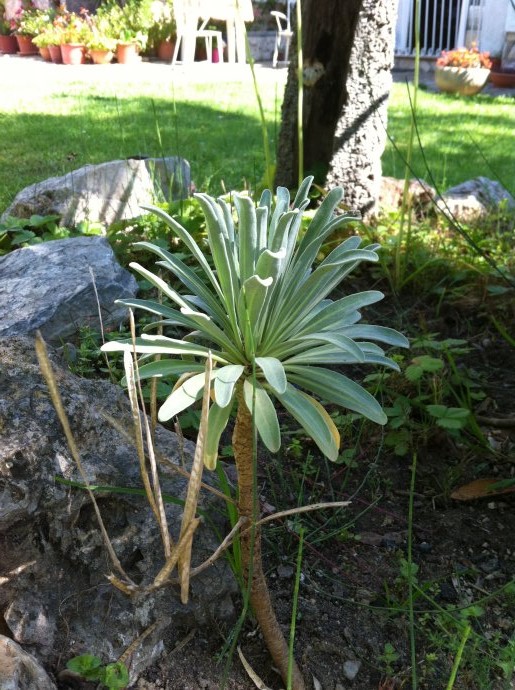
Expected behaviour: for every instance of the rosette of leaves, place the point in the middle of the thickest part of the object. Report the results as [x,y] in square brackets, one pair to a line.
[266,315]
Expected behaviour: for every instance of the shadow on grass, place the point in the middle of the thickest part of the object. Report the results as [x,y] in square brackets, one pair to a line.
[457,136]
[224,148]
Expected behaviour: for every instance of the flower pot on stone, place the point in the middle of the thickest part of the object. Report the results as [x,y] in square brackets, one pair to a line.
[8,45]
[73,53]
[465,81]
[25,45]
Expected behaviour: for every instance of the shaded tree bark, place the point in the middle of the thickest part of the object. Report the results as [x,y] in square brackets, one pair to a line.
[348,56]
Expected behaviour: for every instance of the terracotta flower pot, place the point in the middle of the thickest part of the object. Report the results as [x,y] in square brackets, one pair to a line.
[466,81]
[45,53]
[503,80]
[55,54]
[8,45]
[165,50]
[101,57]
[127,53]
[25,46]
[73,54]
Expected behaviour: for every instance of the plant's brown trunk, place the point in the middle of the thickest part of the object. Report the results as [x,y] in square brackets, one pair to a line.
[251,549]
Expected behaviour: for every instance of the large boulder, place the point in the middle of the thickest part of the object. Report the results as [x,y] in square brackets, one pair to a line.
[107,192]
[476,199]
[48,286]
[54,595]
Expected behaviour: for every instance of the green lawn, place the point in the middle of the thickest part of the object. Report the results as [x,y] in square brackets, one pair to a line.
[461,137]
[52,126]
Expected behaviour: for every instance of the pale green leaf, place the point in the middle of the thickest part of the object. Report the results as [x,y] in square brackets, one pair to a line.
[247,235]
[274,372]
[265,416]
[188,240]
[380,333]
[217,421]
[307,412]
[337,388]
[334,314]
[224,383]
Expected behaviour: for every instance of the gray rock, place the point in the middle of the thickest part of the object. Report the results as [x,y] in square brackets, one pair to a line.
[475,199]
[19,670]
[107,192]
[54,593]
[48,286]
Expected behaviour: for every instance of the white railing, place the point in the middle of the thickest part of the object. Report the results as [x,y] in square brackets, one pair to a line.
[444,25]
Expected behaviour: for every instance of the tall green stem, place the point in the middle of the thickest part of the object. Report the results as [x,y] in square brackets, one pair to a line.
[300,94]
[406,201]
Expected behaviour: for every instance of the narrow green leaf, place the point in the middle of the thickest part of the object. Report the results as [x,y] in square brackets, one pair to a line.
[307,412]
[282,203]
[333,315]
[217,421]
[224,383]
[188,240]
[160,284]
[184,396]
[303,192]
[160,344]
[337,388]
[380,333]
[274,372]
[265,415]
[187,276]
[323,215]
[247,233]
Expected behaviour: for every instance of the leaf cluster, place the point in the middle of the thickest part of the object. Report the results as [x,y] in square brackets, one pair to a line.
[265,313]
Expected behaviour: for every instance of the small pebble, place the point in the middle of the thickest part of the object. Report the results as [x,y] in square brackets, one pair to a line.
[351,668]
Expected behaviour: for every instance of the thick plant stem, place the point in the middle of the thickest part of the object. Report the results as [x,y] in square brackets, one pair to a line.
[251,549]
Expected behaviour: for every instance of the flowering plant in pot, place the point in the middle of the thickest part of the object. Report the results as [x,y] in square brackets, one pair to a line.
[163,32]
[75,31]
[8,42]
[100,43]
[29,21]
[464,71]
[130,26]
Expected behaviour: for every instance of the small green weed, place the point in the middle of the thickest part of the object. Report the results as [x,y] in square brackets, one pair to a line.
[112,676]
[23,232]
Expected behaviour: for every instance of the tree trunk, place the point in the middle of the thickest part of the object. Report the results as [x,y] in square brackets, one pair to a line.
[348,53]
[361,130]
[251,548]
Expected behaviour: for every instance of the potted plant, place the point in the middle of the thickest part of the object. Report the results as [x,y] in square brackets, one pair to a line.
[100,48]
[8,43]
[29,22]
[502,74]
[43,41]
[464,71]
[163,33]
[130,26]
[74,35]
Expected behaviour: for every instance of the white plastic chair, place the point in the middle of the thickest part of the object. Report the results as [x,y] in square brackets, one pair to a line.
[187,16]
[284,32]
